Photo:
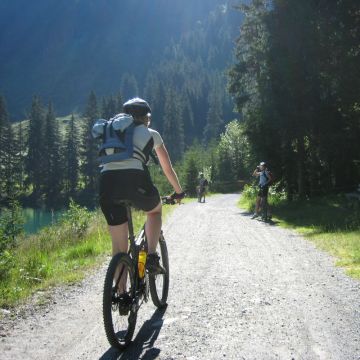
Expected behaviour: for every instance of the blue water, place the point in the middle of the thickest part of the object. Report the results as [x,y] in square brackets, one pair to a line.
[35,219]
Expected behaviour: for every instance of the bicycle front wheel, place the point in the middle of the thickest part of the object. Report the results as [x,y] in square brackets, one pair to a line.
[119,293]
[159,284]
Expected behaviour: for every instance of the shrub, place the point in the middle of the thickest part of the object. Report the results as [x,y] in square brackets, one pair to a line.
[7,262]
[77,218]
[11,226]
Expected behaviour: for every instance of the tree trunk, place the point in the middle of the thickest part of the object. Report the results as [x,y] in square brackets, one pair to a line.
[301,167]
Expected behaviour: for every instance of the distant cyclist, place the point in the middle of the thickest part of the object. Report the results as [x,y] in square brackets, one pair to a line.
[201,188]
[125,176]
[265,179]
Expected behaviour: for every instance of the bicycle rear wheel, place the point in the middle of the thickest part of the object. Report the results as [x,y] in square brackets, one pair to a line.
[119,315]
[159,284]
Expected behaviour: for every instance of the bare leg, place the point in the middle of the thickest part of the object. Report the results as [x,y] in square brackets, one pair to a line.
[268,207]
[257,206]
[119,237]
[153,228]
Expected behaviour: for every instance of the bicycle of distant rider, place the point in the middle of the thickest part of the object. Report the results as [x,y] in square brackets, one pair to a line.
[124,268]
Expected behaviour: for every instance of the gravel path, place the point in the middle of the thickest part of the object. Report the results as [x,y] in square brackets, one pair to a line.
[240,289]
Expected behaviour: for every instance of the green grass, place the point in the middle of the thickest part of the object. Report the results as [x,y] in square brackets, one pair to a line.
[332,223]
[63,122]
[59,254]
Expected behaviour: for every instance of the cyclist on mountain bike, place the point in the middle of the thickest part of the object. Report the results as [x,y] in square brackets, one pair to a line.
[265,179]
[130,180]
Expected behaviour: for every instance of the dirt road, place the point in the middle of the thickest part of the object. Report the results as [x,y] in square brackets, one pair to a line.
[239,289]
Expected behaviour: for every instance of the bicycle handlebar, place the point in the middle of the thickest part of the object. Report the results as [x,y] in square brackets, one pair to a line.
[168,200]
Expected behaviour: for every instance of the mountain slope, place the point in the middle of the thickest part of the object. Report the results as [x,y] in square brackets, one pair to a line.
[63,49]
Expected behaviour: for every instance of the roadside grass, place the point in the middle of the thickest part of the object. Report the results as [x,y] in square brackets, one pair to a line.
[332,223]
[59,254]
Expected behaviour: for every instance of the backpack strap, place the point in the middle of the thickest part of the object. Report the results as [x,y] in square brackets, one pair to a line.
[104,132]
[129,140]
[111,129]
[267,178]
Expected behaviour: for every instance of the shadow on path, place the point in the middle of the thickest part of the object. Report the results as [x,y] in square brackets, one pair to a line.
[246,213]
[250,214]
[143,344]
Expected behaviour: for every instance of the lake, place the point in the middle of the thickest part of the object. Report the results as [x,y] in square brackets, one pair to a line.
[35,219]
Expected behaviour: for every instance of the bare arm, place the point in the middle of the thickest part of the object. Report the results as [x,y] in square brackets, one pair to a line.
[169,171]
[256,173]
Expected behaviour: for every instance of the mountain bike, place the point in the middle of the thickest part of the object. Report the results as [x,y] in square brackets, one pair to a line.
[127,285]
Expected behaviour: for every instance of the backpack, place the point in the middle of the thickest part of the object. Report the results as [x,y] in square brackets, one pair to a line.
[203,183]
[116,133]
[267,177]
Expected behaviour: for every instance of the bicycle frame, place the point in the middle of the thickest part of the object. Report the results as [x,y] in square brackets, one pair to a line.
[133,252]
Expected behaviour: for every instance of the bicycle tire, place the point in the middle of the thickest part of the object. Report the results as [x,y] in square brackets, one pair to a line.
[159,294]
[118,339]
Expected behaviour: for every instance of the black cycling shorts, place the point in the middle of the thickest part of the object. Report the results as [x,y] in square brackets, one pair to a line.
[129,185]
[263,191]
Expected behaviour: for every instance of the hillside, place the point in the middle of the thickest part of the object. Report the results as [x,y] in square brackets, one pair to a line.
[61,50]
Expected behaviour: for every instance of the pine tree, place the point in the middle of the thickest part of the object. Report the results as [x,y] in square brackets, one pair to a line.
[89,149]
[21,151]
[53,177]
[173,128]
[3,116]
[10,161]
[119,103]
[3,121]
[291,83]
[35,160]
[104,108]
[8,154]
[109,107]
[129,86]
[214,116]
[112,107]
[191,175]
[71,159]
